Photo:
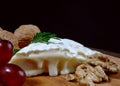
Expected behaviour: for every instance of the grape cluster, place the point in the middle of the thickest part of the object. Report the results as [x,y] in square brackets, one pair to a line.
[10,74]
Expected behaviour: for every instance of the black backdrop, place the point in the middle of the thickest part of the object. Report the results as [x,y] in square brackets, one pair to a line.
[95,23]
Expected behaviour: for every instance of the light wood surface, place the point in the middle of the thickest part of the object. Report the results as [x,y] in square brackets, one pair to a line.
[60,81]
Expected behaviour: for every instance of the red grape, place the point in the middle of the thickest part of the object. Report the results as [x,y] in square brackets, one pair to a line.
[12,75]
[6,51]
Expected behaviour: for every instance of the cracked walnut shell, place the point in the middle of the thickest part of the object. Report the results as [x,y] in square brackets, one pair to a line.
[6,35]
[25,33]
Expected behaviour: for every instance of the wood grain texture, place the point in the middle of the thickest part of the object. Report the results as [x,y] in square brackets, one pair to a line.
[60,80]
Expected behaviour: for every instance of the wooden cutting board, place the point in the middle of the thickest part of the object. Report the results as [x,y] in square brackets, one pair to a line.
[60,80]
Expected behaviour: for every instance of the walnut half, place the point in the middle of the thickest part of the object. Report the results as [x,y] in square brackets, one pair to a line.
[86,75]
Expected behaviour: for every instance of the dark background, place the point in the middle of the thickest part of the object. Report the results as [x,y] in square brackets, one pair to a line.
[94,23]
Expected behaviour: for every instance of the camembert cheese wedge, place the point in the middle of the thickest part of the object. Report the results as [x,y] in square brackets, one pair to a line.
[57,56]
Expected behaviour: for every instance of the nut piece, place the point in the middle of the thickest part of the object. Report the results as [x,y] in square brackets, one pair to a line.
[93,71]
[88,74]
[1,29]
[70,77]
[25,33]
[103,61]
[6,35]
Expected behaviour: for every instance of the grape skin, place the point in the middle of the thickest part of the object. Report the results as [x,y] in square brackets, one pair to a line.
[12,75]
[6,51]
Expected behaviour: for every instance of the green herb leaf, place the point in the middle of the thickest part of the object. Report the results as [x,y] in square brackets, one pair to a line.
[43,37]
[15,51]
[40,37]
